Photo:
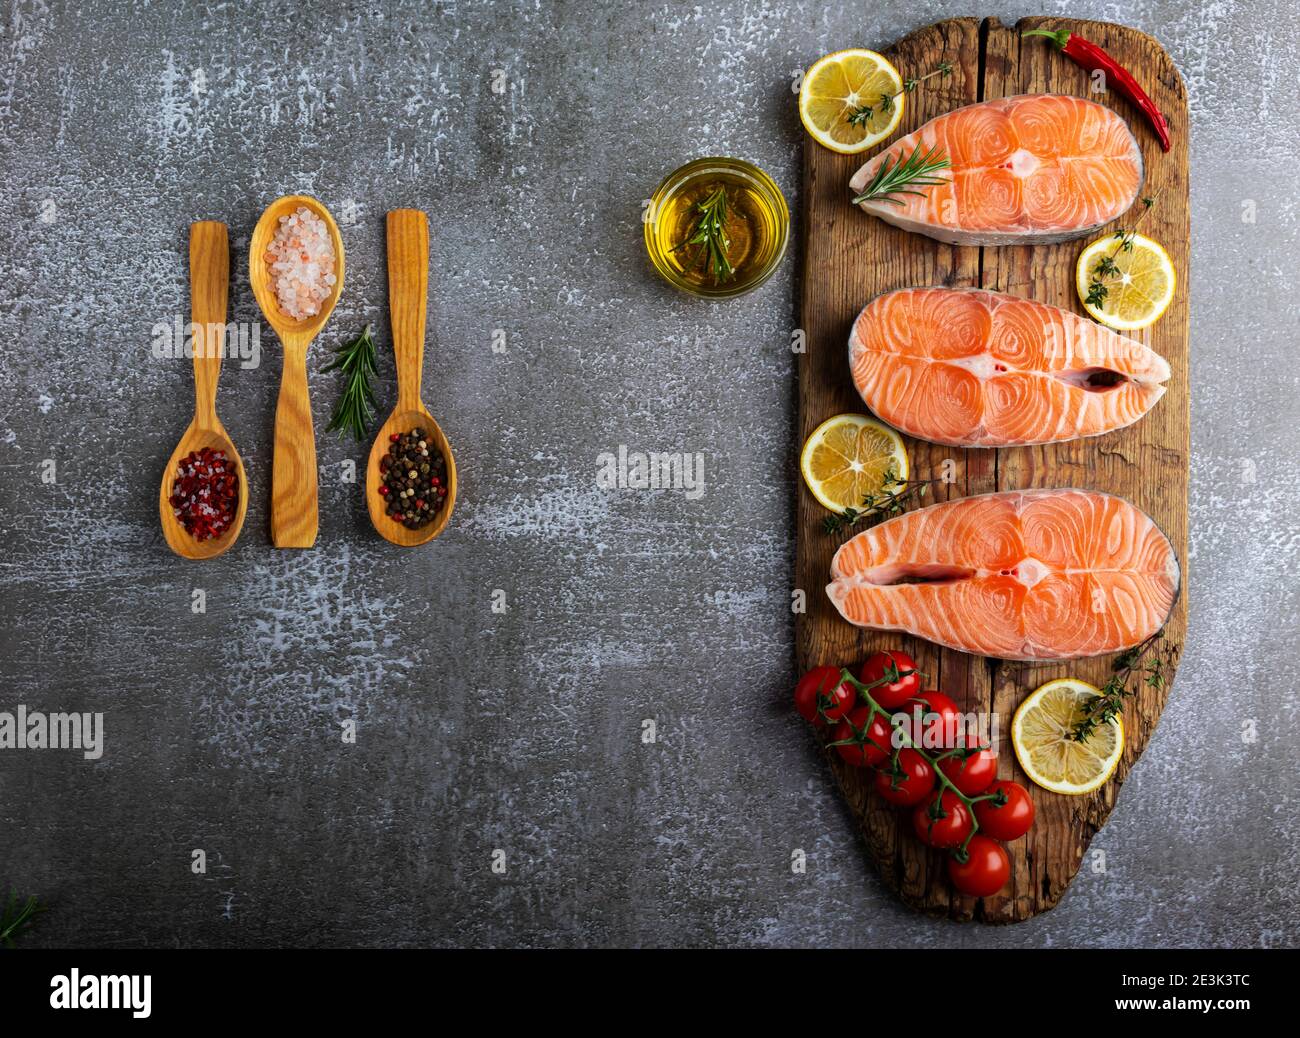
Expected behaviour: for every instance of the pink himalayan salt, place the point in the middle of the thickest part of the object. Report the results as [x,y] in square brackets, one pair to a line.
[300,258]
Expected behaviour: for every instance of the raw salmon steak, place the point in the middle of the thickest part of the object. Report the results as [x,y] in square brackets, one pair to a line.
[1020,575]
[971,368]
[1026,169]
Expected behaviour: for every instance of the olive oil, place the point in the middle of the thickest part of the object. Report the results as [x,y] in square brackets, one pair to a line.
[753,231]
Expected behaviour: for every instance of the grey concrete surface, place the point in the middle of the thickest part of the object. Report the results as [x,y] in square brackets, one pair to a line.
[521,731]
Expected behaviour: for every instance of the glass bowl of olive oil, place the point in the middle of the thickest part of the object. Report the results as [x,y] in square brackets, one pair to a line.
[717,227]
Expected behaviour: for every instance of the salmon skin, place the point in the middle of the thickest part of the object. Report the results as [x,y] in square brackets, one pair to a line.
[1019,575]
[970,368]
[1035,168]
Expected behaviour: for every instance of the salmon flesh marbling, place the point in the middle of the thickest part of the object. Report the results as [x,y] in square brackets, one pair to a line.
[1035,168]
[1017,575]
[971,368]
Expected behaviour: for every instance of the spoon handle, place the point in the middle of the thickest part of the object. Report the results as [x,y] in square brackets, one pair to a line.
[408,294]
[294,517]
[209,289]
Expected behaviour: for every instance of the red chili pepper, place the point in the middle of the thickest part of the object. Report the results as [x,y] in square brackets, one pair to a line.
[1091,57]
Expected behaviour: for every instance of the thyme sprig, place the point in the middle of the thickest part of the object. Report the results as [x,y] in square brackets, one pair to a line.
[15,918]
[904,176]
[356,407]
[1106,267]
[889,501]
[1148,665]
[862,113]
[710,230]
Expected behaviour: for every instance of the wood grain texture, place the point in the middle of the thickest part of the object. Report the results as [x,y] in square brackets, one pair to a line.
[209,291]
[849,258]
[294,514]
[408,300]
[408,297]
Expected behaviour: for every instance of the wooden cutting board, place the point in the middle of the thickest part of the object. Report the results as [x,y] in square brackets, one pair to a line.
[849,258]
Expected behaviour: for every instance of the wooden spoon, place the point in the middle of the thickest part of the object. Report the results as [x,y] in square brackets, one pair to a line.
[294,518]
[408,292]
[209,287]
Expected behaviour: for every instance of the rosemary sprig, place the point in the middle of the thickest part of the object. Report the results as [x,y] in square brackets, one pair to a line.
[1106,266]
[904,176]
[862,113]
[1148,664]
[710,230]
[15,918]
[894,493]
[356,407]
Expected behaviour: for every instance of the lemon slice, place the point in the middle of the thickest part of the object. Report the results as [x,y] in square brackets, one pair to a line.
[1139,292]
[850,456]
[843,83]
[1040,734]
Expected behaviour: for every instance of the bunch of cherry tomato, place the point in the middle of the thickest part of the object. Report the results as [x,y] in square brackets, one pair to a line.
[957,803]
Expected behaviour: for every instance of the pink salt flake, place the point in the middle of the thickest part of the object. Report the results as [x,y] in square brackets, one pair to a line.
[300,259]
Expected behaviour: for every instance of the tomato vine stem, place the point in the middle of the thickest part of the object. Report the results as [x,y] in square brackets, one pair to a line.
[897,725]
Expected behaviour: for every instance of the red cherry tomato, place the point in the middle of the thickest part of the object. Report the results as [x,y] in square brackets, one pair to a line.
[973,774]
[892,694]
[944,825]
[820,696]
[1008,821]
[985,870]
[862,748]
[912,785]
[940,720]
